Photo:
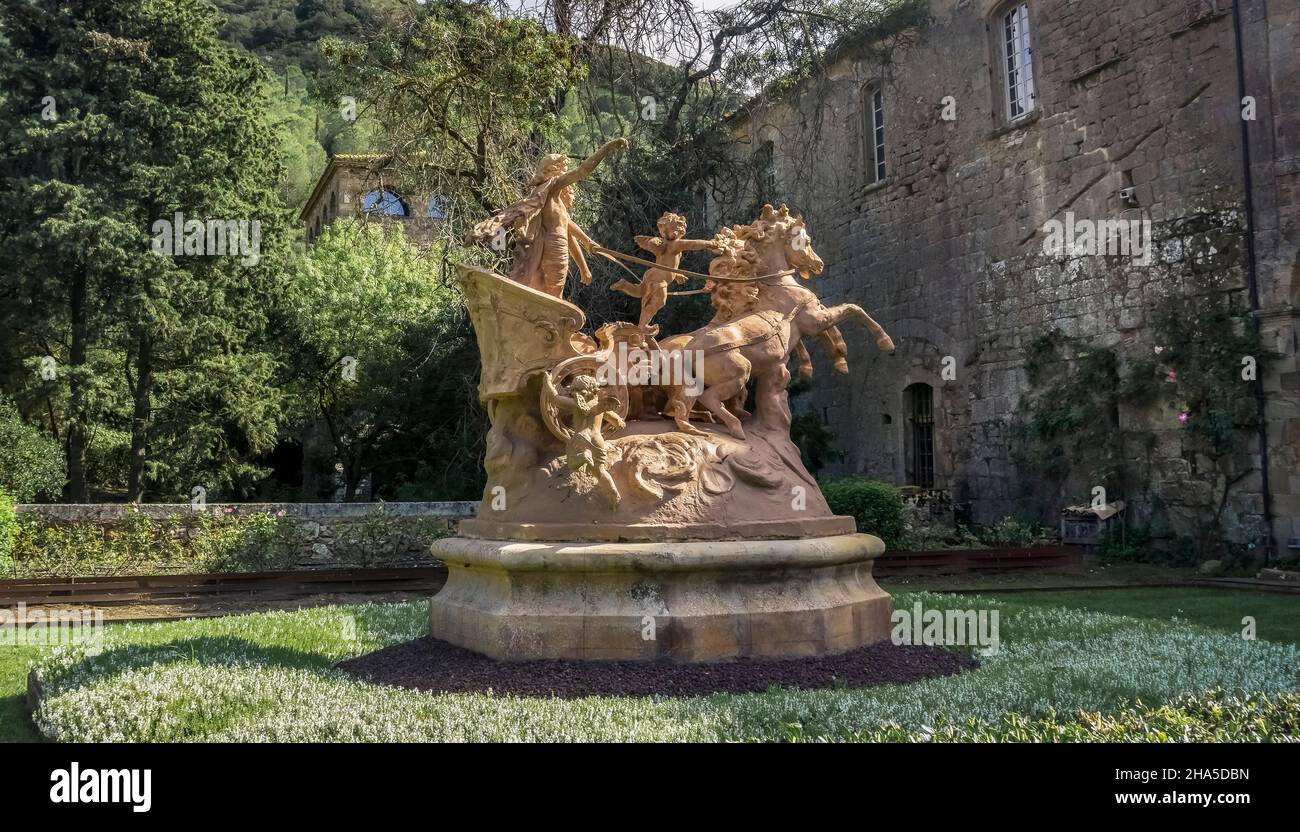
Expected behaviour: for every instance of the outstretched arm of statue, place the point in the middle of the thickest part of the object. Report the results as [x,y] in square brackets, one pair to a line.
[590,164]
[654,245]
[566,404]
[676,247]
[696,245]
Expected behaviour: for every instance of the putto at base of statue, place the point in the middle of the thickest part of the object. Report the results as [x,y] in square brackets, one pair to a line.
[640,449]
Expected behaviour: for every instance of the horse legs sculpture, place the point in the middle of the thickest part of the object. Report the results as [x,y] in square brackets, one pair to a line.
[751,342]
[781,242]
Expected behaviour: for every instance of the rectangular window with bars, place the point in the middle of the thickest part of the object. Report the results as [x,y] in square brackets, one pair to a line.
[922,435]
[1018,60]
[873,122]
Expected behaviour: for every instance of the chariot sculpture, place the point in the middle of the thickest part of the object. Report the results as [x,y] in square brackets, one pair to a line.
[638,506]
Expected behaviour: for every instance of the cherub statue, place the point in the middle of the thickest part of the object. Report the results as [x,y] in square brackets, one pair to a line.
[667,248]
[546,235]
[587,451]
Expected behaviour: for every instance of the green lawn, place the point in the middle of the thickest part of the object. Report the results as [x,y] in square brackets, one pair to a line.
[1276,614]
[269,676]
[14,724]
[1094,574]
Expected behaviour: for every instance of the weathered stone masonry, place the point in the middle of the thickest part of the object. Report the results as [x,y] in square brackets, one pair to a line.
[947,250]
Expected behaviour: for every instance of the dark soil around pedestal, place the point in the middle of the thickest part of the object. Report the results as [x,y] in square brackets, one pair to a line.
[438,667]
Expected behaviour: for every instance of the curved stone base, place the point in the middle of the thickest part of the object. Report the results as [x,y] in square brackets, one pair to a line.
[689,601]
[659,532]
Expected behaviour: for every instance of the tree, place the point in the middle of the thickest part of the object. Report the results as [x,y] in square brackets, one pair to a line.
[460,93]
[385,357]
[295,119]
[469,94]
[31,463]
[121,120]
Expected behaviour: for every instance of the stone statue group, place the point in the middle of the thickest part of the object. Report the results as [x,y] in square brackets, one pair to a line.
[761,316]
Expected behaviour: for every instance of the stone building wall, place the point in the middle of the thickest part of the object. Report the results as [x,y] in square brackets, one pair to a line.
[947,251]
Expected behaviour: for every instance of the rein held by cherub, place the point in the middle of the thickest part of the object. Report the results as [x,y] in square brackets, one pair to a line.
[615,256]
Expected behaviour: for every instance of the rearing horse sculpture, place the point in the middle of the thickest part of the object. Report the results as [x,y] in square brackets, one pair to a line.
[752,336]
[782,243]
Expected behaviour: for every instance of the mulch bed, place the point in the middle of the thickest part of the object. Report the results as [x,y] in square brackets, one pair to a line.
[438,667]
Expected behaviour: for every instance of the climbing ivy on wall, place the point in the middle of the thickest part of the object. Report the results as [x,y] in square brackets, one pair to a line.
[1200,353]
[1069,421]
[1206,347]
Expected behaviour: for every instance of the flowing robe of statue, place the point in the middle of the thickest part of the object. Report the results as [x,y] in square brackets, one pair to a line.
[546,236]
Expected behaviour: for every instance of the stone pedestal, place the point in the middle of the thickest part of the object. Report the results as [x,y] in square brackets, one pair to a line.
[682,601]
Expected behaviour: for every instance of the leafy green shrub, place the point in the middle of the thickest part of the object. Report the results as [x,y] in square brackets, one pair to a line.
[31,463]
[1127,545]
[8,531]
[142,545]
[1139,544]
[1011,532]
[228,542]
[1005,532]
[220,541]
[135,545]
[876,506]
[927,538]
[384,537]
[270,542]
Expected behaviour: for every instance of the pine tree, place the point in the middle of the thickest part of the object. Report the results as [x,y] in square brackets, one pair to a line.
[116,116]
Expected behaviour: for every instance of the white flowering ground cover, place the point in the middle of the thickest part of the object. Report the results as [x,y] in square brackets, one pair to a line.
[269,677]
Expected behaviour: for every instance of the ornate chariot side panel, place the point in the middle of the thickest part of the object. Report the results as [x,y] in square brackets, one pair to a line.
[520,330]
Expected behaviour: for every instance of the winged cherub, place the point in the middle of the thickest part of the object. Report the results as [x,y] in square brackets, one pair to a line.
[668,249]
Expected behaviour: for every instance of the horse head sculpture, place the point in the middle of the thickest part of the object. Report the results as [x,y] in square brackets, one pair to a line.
[782,242]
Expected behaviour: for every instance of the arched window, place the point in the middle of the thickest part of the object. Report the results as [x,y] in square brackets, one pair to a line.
[334,205]
[383,202]
[920,444]
[434,211]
